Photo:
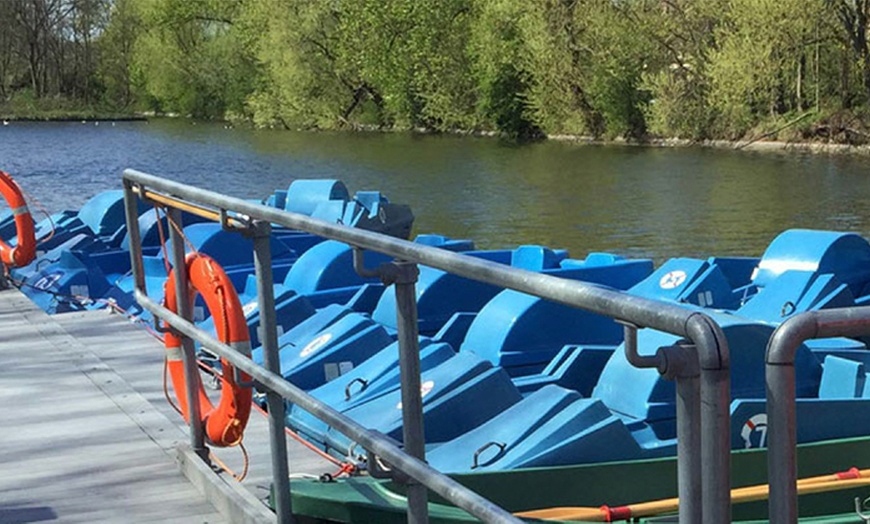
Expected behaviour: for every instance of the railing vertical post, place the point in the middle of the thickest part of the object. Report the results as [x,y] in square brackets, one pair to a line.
[269,339]
[412,400]
[689,448]
[716,446]
[131,211]
[191,370]
[782,443]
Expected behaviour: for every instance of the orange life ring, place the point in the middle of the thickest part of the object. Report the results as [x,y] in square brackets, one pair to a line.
[224,424]
[25,251]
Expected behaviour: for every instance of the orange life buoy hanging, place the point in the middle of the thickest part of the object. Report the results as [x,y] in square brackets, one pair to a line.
[24,251]
[224,424]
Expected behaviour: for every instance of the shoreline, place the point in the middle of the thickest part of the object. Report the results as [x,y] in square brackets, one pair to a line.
[74,118]
[775,146]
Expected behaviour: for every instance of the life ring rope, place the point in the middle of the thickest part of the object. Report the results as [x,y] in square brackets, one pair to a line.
[224,423]
[24,251]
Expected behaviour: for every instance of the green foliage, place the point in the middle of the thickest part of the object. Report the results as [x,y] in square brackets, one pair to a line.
[497,53]
[192,57]
[412,54]
[304,85]
[754,70]
[117,43]
[603,68]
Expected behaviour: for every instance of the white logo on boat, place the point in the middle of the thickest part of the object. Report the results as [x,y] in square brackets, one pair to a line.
[755,425]
[48,280]
[249,308]
[315,344]
[672,279]
[425,388]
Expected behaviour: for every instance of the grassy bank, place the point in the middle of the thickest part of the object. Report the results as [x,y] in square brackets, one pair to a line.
[58,109]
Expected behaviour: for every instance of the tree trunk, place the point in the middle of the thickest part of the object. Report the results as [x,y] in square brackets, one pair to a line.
[799,83]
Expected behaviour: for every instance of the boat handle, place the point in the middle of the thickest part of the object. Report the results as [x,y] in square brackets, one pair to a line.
[787,309]
[362,381]
[500,445]
[859,506]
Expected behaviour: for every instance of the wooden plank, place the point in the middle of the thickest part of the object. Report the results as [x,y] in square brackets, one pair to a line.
[71,452]
[140,362]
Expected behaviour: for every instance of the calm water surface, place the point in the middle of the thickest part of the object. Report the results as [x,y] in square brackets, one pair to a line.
[636,201]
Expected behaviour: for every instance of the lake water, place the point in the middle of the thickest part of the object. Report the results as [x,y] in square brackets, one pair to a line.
[635,201]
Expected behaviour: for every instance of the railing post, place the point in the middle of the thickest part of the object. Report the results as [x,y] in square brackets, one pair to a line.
[269,339]
[412,400]
[679,363]
[131,211]
[689,465]
[191,370]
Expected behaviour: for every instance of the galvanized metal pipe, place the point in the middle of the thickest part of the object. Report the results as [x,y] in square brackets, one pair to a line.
[414,439]
[188,352]
[269,340]
[781,392]
[131,211]
[679,363]
[689,466]
[714,361]
[700,329]
[383,447]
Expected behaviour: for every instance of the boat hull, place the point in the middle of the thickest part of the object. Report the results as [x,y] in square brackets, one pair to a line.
[364,499]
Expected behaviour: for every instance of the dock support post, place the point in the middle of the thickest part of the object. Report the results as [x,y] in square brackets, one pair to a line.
[269,339]
[409,366]
[191,370]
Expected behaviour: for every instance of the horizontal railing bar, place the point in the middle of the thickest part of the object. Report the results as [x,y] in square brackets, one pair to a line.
[187,207]
[420,471]
[639,311]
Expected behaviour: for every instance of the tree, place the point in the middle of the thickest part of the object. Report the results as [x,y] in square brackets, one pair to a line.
[117,48]
[759,67]
[192,59]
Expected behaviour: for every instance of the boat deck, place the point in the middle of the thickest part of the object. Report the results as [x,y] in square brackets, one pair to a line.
[91,438]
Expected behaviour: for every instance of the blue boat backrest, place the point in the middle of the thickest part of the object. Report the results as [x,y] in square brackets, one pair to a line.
[457,245]
[842,378]
[537,258]
[104,212]
[523,333]
[328,265]
[303,196]
[845,255]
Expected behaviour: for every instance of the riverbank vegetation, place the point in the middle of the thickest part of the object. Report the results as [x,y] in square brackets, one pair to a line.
[633,69]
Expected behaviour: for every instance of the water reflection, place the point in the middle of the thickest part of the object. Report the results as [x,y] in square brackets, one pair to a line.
[636,201]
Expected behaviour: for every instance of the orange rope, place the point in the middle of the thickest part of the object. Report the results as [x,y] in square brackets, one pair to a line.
[162,240]
[180,232]
[166,387]
[240,476]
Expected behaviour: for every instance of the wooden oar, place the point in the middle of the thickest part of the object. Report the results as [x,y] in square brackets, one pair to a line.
[851,478]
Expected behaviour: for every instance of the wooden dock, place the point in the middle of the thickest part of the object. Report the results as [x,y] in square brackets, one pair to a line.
[90,437]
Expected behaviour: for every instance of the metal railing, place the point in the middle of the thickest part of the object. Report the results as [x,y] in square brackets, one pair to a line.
[781,396]
[700,366]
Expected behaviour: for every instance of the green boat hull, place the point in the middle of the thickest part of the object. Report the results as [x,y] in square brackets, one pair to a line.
[363,499]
